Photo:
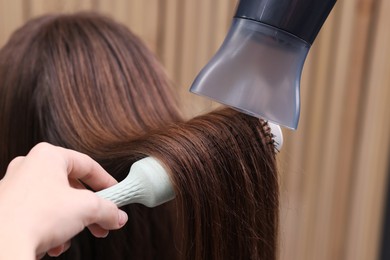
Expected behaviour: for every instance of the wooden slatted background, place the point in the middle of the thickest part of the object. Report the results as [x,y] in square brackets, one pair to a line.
[333,169]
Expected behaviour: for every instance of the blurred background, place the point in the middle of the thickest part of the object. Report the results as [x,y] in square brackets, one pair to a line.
[334,169]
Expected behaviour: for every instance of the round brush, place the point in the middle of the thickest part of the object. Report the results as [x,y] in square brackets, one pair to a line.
[148,182]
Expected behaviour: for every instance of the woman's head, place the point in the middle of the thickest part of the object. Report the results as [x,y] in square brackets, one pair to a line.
[85,82]
[77,81]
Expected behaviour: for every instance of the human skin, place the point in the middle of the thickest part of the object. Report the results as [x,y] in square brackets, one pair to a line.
[43,204]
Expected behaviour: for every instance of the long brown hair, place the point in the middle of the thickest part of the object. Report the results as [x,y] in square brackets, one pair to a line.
[84,82]
[71,77]
[223,169]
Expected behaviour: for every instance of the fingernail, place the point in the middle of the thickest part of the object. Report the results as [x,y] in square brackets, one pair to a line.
[122,218]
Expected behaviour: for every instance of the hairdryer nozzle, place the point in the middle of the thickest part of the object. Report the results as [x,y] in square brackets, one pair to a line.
[257,70]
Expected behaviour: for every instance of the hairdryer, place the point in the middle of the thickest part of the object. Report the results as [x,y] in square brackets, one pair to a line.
[258,68]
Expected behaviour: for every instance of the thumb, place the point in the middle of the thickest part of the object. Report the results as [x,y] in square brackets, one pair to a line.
[101,212]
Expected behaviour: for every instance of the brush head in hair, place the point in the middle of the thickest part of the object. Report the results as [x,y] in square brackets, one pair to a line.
[277,136]
[148,182]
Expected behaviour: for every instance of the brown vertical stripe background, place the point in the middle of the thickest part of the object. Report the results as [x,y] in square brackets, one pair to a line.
[334,167]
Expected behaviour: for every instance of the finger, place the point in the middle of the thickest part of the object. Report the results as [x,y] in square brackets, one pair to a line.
[56,251]
[100,211]
[98,231]
[76,184]
[40,256]
[77,165]
[15,163]
[66,246]
[82,167]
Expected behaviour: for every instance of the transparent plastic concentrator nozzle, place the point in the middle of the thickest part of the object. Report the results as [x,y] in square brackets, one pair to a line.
[257,70]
